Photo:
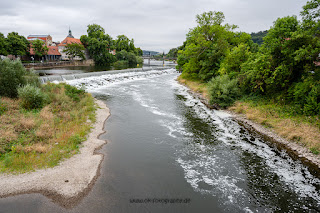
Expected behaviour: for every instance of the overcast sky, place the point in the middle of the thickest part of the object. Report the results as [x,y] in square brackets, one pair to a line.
[154,24]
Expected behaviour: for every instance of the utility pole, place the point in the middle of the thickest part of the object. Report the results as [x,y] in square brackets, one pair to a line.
[149,58]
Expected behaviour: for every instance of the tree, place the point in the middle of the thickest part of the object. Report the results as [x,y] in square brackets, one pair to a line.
[310,14]
[207,45]
[233,61]
[95,31]
[73,50]
[39,48]
[3,45]
[123,43]
[258,37]
[173,53]
[12,77]
[98,44]
[130,57]
[17,45]
[138,51]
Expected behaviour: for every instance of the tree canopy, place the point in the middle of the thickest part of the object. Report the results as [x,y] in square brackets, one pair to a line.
[73,50]
[39,47]
[98,44]
[3,45]
[285,67]
[17,44]
[208,44]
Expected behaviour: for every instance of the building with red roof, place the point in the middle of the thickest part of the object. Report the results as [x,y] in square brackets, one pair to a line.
[68,40]
[46,38]
[52,55]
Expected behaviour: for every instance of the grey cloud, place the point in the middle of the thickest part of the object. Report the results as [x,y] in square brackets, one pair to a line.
[153,24]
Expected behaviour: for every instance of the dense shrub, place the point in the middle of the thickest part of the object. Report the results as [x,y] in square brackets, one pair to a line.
[12,75]
[126,59]
[223,90]
[31,97]
[306,95]
[121,65]
[139,60]
[32,78]
[256,72]
[73,92]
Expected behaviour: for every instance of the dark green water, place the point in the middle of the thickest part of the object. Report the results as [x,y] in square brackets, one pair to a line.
[164,146]
[85,69]
[71,70]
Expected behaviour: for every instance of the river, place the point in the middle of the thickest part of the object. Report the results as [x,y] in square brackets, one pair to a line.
[85,69]
[167,152]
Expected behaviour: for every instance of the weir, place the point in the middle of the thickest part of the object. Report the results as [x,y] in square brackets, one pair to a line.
[60,78]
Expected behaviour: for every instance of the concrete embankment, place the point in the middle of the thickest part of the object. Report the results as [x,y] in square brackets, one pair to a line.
[51,78]
[47,65]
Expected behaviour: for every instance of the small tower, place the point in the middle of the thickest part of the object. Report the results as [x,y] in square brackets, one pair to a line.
[70,34]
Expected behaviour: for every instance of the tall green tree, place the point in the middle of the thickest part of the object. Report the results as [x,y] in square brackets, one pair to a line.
[17,44]
[207,45]
[123,43]
[98,44]
[138,51]
[311,15]
[3,45]
[39,48]
[73,50]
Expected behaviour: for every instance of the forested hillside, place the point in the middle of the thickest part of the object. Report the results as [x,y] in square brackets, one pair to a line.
[258,37]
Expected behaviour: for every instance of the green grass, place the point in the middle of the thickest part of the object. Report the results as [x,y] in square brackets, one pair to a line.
[34,139]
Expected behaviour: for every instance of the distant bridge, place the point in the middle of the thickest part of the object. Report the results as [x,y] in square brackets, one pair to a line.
[159,58]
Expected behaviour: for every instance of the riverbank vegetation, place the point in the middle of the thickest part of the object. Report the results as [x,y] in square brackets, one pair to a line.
[276,84]
[100,46]
[40,124]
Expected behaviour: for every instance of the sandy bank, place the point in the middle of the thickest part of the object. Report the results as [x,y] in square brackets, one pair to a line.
[71,178]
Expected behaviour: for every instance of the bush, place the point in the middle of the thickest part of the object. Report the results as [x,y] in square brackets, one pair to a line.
[139,61]
[223,91]
[31,97]
[73,92]
[306,95]
[12,76]
[32,78]
[121,65]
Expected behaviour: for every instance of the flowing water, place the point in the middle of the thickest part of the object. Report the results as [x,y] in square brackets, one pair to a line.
[167,152]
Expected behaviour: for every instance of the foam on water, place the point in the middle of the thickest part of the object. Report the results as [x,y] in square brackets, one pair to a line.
[94,83]
[212,164]
[231,134]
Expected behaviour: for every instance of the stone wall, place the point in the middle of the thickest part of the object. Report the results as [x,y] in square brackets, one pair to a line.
[89,62]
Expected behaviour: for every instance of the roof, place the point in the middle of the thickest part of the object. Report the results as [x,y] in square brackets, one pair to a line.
[53,50]
[33,39]
[37,36]
[69,40]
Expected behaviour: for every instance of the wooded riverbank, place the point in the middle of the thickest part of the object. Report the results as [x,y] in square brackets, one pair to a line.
[297,134]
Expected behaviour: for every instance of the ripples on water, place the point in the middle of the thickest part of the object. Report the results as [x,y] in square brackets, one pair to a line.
[219,157]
